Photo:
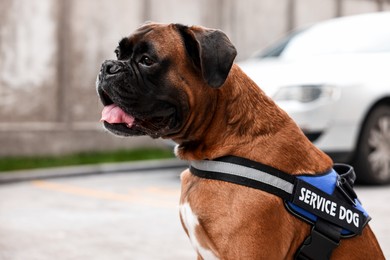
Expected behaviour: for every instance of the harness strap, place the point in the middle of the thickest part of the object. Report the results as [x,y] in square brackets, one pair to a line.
[253,174]
[332,208]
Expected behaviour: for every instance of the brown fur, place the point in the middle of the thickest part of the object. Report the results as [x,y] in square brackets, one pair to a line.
[238,222]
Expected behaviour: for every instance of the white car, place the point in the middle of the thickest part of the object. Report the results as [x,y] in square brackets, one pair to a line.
[333,78]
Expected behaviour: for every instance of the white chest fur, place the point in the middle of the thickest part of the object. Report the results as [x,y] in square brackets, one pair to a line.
[190,221]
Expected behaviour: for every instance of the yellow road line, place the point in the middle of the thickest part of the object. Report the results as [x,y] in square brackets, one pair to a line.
[100,194]
[164,191]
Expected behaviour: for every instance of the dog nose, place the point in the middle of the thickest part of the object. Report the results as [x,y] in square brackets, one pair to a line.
[111,67]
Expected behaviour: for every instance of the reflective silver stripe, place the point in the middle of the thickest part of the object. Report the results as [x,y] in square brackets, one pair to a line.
[246,172]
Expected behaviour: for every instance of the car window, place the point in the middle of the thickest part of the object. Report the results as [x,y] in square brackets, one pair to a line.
[335,37]
[278,48]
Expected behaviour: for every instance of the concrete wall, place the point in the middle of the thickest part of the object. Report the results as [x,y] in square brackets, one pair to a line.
[51,51]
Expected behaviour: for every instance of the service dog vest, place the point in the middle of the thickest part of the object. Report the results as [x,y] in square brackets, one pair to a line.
[326,201]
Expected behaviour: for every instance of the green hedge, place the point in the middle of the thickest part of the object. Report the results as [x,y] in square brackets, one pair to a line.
[19,163]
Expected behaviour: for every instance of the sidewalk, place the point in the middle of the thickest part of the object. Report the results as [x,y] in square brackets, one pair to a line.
[93,169]
[103,216]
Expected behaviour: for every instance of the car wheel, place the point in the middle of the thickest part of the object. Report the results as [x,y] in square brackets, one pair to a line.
[372,161]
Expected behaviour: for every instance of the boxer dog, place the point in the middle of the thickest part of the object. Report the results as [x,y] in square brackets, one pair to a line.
[178,82]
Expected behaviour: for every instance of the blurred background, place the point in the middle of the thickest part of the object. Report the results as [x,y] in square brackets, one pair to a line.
[50,55]
[51,51]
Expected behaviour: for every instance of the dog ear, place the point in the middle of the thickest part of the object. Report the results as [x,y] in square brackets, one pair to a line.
[211,51]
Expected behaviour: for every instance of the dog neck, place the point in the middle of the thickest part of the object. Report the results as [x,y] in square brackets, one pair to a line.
[245,122]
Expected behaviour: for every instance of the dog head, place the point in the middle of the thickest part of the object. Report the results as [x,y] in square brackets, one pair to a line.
[160,73]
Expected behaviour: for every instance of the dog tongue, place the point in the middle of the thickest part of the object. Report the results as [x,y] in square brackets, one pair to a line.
[114,115]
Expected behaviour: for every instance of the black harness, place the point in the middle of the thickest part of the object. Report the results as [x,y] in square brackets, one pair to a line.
[326,201]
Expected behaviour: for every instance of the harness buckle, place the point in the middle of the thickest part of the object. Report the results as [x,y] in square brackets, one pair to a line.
[316,246]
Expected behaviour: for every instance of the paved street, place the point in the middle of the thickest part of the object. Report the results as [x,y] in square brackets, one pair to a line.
[116,216]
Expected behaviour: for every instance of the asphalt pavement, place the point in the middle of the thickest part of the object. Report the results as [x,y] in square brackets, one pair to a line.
[124,214]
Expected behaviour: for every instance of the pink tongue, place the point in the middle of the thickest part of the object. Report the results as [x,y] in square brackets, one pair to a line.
[114,115]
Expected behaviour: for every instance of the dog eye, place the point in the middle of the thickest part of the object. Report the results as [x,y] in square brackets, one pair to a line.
[145,60]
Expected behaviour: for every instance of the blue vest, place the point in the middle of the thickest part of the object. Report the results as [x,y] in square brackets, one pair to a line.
[326,183]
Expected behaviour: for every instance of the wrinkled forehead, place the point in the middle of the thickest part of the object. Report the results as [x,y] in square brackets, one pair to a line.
[161,37]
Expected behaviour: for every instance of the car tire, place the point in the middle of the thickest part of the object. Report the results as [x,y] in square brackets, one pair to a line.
[372,159]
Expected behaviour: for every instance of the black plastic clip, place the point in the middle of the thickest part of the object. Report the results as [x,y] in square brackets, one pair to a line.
[346,190]
[345,180]
[317,246]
